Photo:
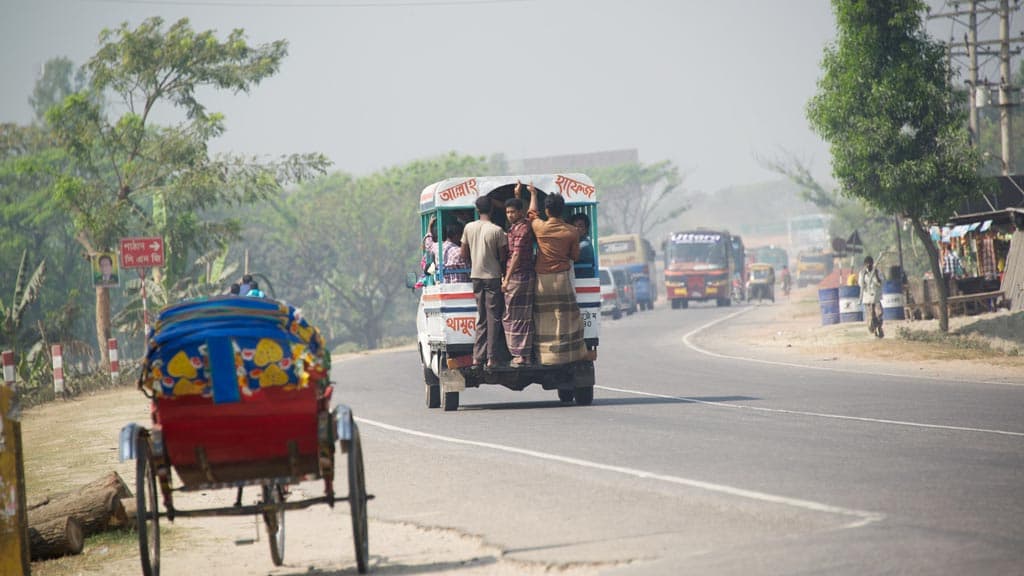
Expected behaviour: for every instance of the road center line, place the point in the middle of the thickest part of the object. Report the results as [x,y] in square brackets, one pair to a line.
[689,344]
[695,348]
[861,517]
[812,414]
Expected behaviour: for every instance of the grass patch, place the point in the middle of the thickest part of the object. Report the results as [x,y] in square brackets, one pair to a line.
[952,340]
[106,549]
[99,550]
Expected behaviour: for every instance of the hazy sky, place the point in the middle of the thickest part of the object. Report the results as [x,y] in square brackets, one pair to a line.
[372,83]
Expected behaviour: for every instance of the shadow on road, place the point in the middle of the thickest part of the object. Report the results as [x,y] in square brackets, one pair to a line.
[380,565]
[624,401]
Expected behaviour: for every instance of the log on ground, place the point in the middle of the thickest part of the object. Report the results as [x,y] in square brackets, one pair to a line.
[55,538]
[126,517]
[96,505]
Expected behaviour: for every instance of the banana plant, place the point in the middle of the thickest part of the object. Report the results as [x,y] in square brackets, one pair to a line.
[12,313]
[13,334]
[209,275]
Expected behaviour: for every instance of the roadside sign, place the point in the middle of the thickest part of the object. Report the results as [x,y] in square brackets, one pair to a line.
[853,243]
[142,252]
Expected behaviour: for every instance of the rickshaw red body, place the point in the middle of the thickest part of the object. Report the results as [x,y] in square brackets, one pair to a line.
[258,435]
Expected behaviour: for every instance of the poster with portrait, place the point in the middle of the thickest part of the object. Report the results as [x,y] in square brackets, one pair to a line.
[104,269]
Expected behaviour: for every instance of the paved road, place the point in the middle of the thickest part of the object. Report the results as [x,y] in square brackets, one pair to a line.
[689,463]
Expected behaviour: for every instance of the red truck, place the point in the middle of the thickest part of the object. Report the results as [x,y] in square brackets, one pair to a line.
[699,266]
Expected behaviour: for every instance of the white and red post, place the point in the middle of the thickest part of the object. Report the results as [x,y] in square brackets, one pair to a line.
[57,351]
[115,365]
[8,361]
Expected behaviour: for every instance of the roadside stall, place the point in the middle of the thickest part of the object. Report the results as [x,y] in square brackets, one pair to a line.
[975,252]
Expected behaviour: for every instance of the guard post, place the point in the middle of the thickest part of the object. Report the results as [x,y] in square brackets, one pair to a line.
[14,551]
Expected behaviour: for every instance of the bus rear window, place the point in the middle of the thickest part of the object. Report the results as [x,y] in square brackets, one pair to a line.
[617,247]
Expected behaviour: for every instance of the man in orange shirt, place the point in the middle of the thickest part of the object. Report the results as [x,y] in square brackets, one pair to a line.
[558,327]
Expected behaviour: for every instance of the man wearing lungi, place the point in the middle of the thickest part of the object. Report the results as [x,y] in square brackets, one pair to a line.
[485,245]
[518,283]
[558,327]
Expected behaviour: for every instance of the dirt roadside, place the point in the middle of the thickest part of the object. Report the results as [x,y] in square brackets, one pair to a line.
[987,347]
[68,443]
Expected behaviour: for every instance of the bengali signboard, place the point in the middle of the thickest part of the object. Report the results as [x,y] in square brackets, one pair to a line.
[142,252]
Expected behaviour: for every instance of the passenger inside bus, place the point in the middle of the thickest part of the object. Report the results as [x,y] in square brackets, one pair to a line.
[456,267]
[584,267]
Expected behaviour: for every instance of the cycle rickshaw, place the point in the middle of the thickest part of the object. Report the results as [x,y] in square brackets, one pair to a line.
[241,396]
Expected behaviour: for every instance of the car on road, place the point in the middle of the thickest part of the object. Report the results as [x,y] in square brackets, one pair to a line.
[624,286]
[610,303]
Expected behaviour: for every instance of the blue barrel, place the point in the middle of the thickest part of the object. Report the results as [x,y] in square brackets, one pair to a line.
[892,301]
[828,298]
[850,307]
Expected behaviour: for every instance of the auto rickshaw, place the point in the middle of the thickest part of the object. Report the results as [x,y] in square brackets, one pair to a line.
[644,291]
[761,285]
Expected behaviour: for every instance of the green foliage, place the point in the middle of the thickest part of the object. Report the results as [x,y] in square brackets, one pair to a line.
[59,80]
[132,177]
[887,110]
[26,290]
[27,343]
[886,107]
[634,196]
[799,173]
[341,246]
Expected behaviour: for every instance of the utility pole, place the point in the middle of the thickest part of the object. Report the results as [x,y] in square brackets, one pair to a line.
[972,71]
[978,86]
[1005,80]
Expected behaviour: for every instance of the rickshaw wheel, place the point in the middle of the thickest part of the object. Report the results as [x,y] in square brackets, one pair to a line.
[147,514]
[274,494]
[357,501]
[566,395]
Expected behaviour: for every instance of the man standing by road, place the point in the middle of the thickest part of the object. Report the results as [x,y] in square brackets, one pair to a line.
[870,281]
[518,283]
[485,245]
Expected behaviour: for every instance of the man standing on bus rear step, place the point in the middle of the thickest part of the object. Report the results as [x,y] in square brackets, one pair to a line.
[518,283]
[558,327]
[485,245]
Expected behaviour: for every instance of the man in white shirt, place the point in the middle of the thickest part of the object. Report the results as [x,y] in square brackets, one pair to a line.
[870,281]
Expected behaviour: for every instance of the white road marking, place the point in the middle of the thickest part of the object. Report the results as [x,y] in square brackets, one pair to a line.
[695,348]
[689,344]
[861,517]
[813,414]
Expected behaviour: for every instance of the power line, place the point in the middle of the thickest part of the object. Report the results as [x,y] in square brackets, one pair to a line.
[228,4]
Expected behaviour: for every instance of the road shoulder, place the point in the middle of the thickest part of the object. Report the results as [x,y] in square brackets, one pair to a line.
[790,331]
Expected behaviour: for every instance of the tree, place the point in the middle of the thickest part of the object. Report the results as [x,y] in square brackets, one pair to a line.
[59,80]
[886,107]
[848,214]
[351,242]
[634,194]
[134,177]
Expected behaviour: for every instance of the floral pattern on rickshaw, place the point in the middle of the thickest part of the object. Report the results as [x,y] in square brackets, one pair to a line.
[179,365]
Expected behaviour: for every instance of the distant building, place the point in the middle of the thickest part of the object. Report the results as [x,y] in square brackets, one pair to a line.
[574,162]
